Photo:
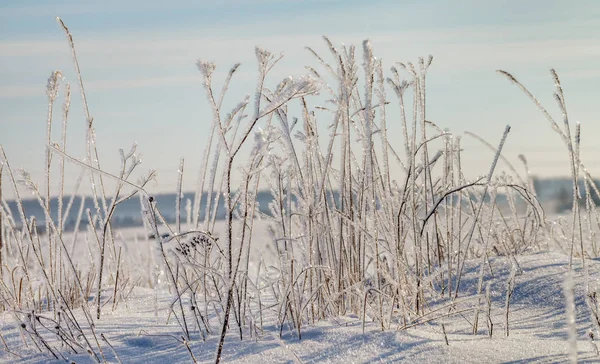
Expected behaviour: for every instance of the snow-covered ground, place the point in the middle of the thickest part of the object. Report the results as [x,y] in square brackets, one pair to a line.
[141,331]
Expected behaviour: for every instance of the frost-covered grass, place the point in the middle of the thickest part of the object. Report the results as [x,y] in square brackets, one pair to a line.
[354,257]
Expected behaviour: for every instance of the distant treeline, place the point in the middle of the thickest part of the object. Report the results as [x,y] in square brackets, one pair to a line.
[128,213]
[560,190]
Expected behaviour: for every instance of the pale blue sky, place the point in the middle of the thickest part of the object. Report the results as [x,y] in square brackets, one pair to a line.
[138,62]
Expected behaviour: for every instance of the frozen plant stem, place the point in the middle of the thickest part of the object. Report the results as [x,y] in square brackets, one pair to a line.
[293,89]
[150,215]
[510,288]
[573,148]
[476,217]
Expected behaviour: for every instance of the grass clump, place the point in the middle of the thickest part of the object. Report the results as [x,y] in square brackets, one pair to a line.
[384,228]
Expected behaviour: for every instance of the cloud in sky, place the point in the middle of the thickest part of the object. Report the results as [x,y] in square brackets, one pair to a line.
[459,50]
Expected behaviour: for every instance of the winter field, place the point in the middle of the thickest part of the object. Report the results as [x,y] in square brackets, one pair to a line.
[350,262]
